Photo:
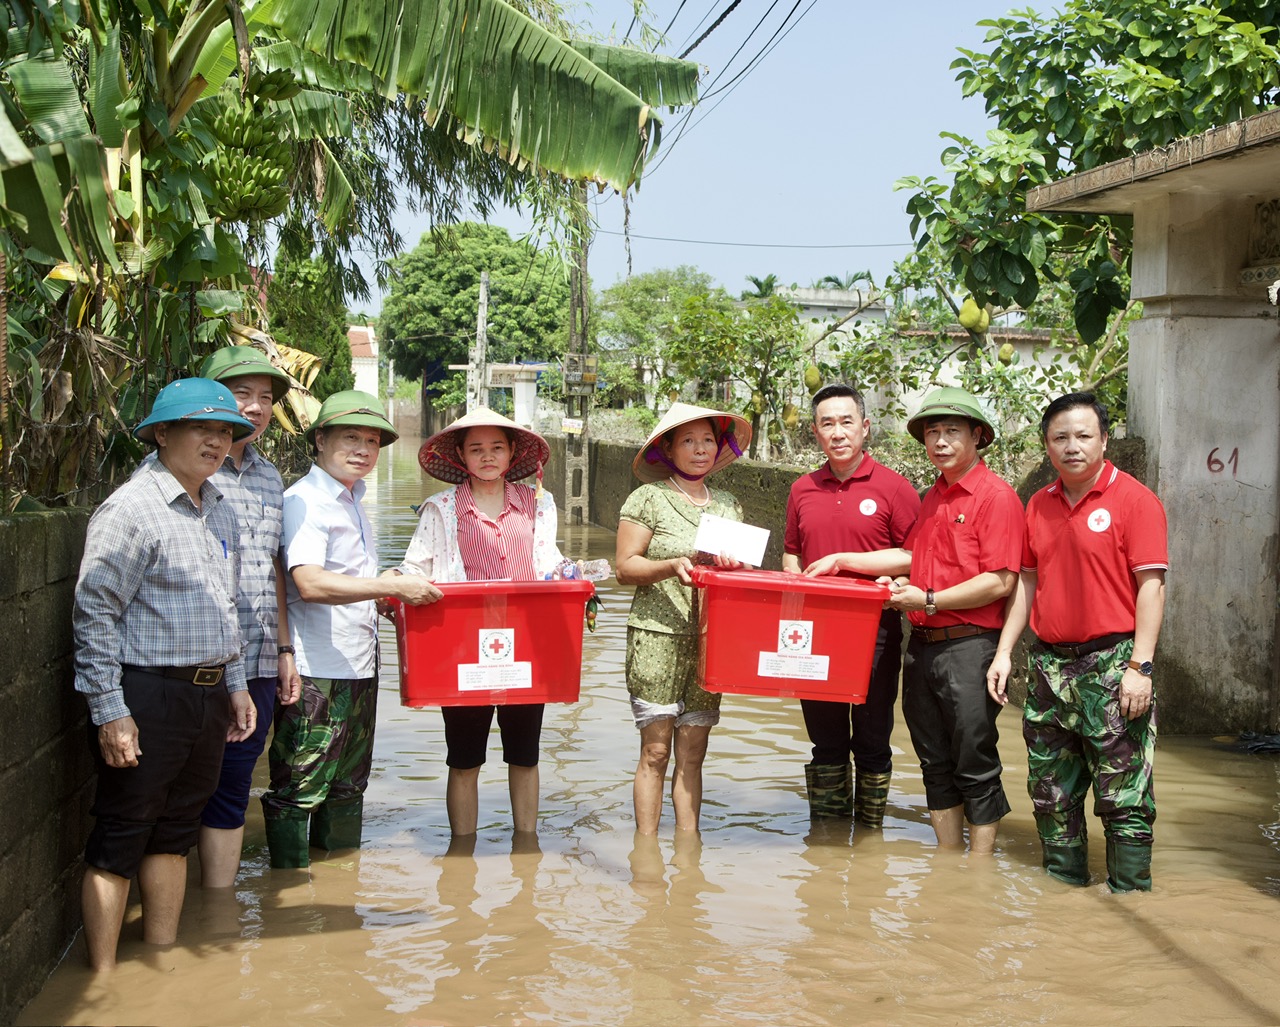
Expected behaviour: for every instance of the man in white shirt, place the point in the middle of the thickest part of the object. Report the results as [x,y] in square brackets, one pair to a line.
[322,750]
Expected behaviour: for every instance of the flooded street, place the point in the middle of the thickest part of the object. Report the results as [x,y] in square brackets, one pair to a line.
[764,920]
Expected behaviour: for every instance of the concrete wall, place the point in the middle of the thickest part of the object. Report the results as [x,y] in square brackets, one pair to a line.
[1204,386]
[46,774]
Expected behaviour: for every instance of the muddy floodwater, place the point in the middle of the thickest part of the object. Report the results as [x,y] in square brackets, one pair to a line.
[763,920]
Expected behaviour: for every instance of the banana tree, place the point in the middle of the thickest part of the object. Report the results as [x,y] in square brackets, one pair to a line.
[137,141]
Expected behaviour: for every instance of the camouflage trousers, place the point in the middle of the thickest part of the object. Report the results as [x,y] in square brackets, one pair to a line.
[322,750]
[1076,738]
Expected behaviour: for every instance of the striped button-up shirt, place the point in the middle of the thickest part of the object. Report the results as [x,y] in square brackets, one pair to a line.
[256,493]
[157,587]
[500,550]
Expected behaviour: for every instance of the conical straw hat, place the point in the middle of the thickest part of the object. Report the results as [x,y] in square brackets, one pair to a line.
[733,431]
[439,454]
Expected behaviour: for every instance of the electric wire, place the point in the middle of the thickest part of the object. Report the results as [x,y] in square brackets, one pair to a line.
[686,123]
[714,25]
[762,245]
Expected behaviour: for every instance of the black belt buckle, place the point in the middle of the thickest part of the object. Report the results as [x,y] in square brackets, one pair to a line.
[207,676]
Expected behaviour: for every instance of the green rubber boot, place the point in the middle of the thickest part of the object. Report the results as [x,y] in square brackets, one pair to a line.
[830,790]
[1067,863]
[1128,866]
[336,825]
[287,840]
[870,797]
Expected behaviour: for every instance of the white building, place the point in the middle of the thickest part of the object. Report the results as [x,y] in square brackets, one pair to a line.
[364,357]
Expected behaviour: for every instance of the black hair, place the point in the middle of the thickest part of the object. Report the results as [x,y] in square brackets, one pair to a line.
[837,390]
[669,436]
[1071,401]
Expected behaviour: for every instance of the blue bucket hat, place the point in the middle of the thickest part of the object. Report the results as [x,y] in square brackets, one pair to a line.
[193,399]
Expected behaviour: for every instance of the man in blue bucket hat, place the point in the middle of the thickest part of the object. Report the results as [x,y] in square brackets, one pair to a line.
[158,659]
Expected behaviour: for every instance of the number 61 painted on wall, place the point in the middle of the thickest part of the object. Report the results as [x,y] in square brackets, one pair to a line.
[1216,465]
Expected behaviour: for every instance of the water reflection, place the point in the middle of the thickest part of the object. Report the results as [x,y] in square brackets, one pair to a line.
[765,919]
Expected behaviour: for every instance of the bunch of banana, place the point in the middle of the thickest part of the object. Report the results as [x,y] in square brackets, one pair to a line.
[250,169]
[279,84]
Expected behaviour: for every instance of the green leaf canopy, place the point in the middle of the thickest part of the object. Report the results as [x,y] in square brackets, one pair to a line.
[506,81]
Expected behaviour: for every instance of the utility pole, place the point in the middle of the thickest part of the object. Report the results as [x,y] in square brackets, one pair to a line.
[478,364]
[579,376]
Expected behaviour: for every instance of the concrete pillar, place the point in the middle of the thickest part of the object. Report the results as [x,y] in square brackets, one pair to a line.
[1204,393]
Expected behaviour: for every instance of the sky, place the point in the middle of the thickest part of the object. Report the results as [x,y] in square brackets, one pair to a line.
[790,171]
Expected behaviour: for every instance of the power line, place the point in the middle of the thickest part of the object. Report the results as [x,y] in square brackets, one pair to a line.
[714,25]
[667,30]
[686,123]
[763,245]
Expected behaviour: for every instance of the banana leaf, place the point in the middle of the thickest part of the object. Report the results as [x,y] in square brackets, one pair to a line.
[655,78]
[507,81]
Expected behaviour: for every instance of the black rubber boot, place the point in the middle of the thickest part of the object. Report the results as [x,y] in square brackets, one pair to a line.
[287,840]
[830,790]
[1067,863]
[1128,866]
[870,797]
[336,825]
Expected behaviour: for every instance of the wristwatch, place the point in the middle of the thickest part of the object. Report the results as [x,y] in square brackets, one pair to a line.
[930,607]
[1145,668]
[282,649]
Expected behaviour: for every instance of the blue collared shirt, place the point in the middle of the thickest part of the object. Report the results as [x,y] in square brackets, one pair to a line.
[157,587]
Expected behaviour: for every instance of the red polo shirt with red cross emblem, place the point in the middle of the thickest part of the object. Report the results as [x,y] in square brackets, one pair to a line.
[874,508]
[965,529]
[1086,557]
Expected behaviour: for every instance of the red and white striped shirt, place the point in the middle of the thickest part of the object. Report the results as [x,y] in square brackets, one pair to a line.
[500,550]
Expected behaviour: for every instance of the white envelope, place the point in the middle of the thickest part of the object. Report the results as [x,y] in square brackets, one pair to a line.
[743,542]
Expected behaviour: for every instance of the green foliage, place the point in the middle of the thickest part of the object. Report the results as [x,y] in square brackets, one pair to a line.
[760,348]
[1089,84]
[636,319]
[429,317]
[764,287]
[120,168]
[305,311]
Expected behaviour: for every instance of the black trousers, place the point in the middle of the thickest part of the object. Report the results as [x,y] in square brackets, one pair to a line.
[840,729]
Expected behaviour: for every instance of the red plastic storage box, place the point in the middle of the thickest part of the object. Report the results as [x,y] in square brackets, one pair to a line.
[493,643]
[770,633]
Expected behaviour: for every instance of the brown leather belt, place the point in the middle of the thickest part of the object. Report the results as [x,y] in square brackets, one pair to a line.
[1075,650]
[208,676]
[946,634]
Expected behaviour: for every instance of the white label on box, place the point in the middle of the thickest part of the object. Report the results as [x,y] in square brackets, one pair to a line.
[784,665]
[497,645]
[476,677]
[795,637]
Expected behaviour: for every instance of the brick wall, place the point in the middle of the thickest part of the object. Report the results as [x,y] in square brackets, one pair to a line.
[46,774]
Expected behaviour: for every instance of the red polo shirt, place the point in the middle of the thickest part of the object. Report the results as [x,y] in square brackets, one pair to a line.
[874,508]
[1086,557]
[966,529]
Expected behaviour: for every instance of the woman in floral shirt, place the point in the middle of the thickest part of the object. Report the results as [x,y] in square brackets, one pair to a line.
[656,552]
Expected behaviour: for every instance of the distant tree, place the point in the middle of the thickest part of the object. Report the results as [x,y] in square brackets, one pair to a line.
[846,281]
[305,310]
[764,287]
[429,317]
[759,347]
[636,319]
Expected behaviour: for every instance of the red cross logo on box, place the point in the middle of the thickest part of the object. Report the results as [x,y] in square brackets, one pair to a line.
[497,645]
[795,636]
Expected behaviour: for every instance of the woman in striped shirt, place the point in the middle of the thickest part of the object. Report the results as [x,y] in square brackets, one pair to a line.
[487,528]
